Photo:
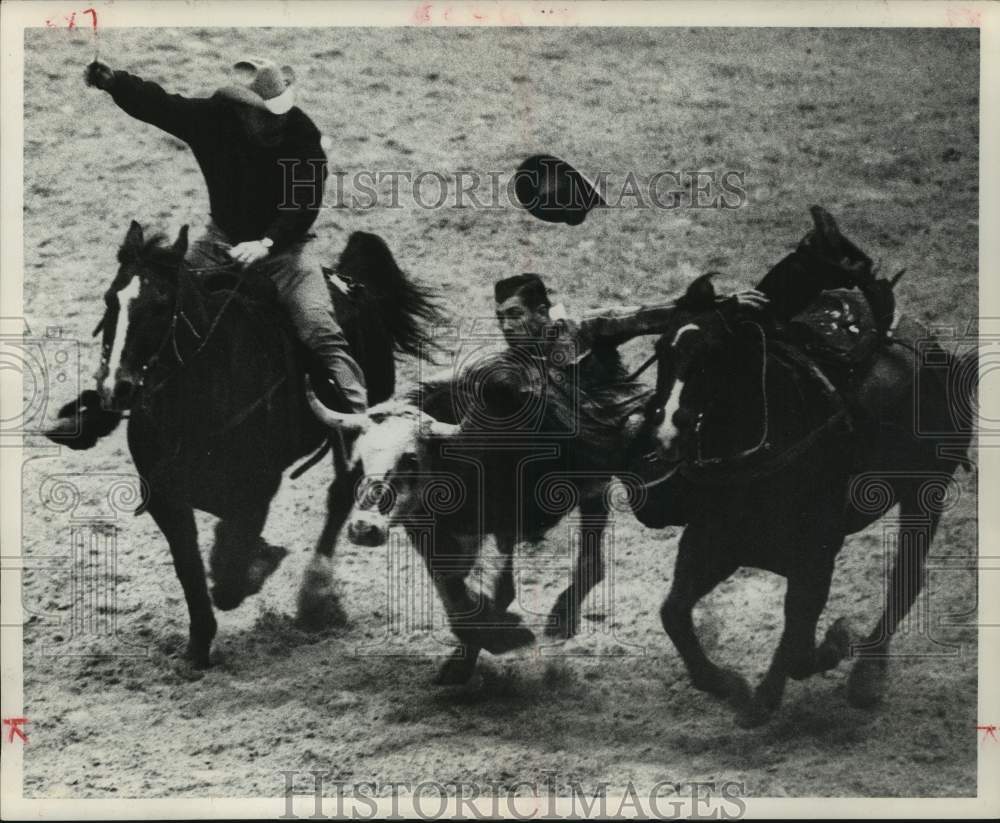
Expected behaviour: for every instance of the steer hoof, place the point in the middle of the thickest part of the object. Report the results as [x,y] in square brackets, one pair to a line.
[564,622]
[505,635]
[458,669]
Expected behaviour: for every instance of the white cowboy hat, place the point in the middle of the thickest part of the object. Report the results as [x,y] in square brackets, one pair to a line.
[268,86]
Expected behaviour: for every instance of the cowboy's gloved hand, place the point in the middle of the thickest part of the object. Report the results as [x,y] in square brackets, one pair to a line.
[751,298]
[248,252]
[100,75]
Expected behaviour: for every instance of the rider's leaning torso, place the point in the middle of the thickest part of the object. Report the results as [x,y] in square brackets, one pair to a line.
[271,186]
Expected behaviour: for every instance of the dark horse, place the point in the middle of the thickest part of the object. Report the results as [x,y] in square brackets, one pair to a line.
[770,469]
[213,381]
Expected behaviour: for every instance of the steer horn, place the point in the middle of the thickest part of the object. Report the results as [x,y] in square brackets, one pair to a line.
[432,427]
[334,419]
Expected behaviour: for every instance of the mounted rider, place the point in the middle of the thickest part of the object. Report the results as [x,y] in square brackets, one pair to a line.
[265,169]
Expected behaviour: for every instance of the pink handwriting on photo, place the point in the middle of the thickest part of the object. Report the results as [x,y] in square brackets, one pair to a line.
[448,14]
[989,732]
[70,20]
[964,18]
[15,724]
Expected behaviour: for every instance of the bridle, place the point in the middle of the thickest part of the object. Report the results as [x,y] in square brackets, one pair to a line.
[109,324]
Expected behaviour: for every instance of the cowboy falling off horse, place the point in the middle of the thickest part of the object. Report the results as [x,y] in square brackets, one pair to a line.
[253,266]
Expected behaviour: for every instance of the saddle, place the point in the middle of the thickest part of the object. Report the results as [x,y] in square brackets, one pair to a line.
[838,329]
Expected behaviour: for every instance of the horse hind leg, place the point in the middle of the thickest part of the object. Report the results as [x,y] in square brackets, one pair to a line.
[797,655]
[176,521]
[697,571]
[866,684]
[318,604]
[241,560]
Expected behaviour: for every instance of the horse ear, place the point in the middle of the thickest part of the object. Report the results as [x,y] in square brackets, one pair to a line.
[700,295]
[133,237]
[181,243]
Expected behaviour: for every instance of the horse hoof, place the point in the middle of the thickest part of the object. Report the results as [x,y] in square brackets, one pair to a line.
[318,605]
[265,564]
[754,715]
[317,612]
[838,638]
[225,599]
[458,669]
[726,685]
[866,683]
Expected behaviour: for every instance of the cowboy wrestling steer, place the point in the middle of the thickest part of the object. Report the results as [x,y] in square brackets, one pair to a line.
[508,447]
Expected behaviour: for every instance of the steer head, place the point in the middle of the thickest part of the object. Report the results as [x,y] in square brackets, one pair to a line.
[392,455]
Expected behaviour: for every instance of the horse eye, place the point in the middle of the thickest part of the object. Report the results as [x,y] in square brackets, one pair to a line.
[657,415]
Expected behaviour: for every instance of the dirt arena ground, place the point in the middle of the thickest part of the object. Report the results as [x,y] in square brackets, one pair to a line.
[879,126]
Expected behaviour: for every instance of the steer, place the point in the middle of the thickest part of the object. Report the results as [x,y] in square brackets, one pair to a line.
[416,470]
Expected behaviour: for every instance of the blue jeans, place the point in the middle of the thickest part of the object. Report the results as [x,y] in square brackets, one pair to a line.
[302,292]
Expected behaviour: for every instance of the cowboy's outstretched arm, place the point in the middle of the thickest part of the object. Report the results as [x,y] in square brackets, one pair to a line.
[616,326]
[147,101]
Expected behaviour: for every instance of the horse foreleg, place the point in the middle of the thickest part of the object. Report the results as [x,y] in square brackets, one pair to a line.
[564,619]
[866,683]
[318,605]
[176,521]
[697,571]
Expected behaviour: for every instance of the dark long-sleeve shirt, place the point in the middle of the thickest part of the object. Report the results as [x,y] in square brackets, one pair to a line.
[254,190]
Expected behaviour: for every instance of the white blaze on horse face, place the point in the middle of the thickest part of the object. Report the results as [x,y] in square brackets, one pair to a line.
[667,431]
[125,296]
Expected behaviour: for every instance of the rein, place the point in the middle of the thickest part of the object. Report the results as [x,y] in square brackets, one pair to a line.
[171,334]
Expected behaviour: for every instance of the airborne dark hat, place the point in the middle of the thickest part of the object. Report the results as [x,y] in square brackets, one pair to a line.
[553,191]
[529,287]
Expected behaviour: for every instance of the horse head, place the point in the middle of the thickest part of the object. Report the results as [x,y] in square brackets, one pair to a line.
[393,456]
[149,285]
[710,373]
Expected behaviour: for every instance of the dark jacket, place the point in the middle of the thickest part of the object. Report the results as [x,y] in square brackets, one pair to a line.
[254,190]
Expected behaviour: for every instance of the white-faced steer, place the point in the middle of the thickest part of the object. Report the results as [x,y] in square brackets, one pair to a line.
[415,469]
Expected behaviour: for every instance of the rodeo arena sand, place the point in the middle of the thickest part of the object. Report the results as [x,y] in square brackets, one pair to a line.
[708,141]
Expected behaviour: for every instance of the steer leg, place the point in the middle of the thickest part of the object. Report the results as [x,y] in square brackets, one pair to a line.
[476,622]
[458,668]
[564,619]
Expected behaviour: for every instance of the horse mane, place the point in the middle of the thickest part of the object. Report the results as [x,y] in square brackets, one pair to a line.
[156,251]
[407,309]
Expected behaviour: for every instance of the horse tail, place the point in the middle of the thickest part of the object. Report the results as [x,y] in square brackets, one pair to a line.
[408,309]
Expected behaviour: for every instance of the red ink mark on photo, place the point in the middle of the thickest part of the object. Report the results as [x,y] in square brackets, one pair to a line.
[15,724]
[71,20]
[422,14]
[963,17]
[988,732]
